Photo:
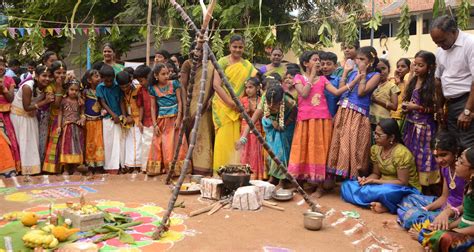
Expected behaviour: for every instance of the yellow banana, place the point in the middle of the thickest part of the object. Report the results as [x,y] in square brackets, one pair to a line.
[54,243]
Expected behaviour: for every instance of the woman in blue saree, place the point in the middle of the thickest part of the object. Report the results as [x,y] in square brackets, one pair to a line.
[394,174]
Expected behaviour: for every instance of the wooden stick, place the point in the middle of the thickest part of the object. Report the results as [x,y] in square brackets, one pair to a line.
[244,114]
[204,209]
[195,64]
[219,206]
[266,204]
[164,226]
[270,203]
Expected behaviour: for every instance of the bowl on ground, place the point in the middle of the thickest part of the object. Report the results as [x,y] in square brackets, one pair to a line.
[313,220]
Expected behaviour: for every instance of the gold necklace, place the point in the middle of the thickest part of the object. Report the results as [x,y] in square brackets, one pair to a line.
[452,184]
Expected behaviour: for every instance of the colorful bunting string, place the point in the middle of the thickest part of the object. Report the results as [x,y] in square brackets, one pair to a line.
[14,31]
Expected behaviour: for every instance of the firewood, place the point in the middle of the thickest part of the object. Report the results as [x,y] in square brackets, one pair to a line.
[265,203]
[203,210]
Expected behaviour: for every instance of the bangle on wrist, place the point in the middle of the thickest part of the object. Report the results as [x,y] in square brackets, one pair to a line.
[456,212]
[243,140]
[58,94]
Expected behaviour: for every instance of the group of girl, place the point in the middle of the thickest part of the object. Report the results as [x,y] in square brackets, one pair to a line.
[52,124]
[41,121]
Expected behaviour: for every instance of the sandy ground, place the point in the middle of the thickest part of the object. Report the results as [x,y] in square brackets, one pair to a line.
[234,230]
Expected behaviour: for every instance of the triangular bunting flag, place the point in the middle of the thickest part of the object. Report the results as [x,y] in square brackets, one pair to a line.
[79,30]
[97,31]
[102,30]
[28,30]
[43,32]
[12,32]
[108,29]
[5,33]
[22,31]
[86,31]
[58,31]
[51,31]
[73,32]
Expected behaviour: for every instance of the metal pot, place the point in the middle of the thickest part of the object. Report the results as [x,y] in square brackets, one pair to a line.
[313,220]
[232,181]
[283,194]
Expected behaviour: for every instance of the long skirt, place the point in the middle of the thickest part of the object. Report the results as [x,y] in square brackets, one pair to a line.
[417,138]
[253,156]
[390,195]
[27,134]
[147,138]
[43,115]
[51,160]
[7,163]
[280,143]
[309,149]
[7,128]
[163,147]
[445,241]
[113,144]
[224,147]
[410,210]
[133,147]
[204,147]
[94,155]
[350,144]
[72,142]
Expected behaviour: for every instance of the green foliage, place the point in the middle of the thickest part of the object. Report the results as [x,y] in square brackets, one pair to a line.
[439,6]
[217,44]
[185,42]
[463,14]
[297,45]
[249,45]
[375,22]
[350,30]
[325,33]
[403,33]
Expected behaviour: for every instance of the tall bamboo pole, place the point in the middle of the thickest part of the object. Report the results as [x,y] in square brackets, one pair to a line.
[244,114]
[190,87]
[164,221]
[148,31]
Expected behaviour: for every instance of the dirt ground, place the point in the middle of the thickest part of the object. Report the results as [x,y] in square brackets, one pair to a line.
[262,230]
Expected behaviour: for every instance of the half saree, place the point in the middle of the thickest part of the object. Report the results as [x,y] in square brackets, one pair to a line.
[226,120]
[252,150]
[443,240]
[26,130]
[6,126]
[203,149]
[280,141]
[51,159]
[418,131]
[390,195]
[164,144]
[410,210]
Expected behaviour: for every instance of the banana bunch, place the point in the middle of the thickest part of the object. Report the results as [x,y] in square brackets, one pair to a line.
[12,215]
[88,209]
[40,238]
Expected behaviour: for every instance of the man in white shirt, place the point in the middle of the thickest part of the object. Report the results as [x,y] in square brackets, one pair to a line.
[455,77]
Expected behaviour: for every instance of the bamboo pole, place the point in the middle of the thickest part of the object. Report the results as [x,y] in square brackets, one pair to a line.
[244,114]
[148,31]
[164,222]
[190,87]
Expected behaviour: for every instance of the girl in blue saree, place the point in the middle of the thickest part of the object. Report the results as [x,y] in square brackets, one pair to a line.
[279,123]
[419,208]
[394,174]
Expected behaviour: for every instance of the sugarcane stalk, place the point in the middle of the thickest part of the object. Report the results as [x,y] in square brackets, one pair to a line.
[190,87]
[164,225]
[244,114]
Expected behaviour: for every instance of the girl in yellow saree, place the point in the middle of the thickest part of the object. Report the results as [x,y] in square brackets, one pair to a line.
[225,114]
